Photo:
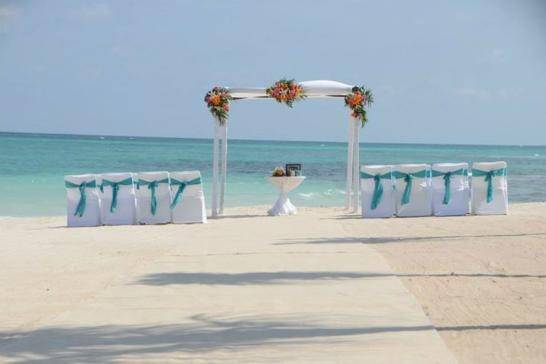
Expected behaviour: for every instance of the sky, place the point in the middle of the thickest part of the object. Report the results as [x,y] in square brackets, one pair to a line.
[461,72]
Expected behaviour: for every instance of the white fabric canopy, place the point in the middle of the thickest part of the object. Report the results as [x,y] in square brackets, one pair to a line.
[318,88]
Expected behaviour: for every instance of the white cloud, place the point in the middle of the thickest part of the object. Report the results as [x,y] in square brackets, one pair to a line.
[497,55]
[494,56]
[8,14]
[8,11]
[485,94]
[94,11]
[508,92]
[473,92]
[387,90]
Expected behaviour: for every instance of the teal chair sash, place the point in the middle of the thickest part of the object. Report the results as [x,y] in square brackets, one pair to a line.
[115,189]
[408,178]
[80,209]
[181,187]
[378,187]
[447,181]
[488,177]
[152,186]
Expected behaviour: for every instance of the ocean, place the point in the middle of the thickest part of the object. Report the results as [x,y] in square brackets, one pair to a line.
[32,166]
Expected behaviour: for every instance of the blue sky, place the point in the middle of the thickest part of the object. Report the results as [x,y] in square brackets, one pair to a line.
[441,71]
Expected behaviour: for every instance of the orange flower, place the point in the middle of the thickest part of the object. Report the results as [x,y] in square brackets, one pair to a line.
[216,100]
[357,98]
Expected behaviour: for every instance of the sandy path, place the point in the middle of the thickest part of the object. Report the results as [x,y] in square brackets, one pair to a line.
[245,288]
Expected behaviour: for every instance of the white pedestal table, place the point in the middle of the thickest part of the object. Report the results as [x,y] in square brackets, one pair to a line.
[283,206]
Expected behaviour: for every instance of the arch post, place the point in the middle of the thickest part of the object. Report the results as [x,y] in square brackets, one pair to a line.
[350,162]
[353,166]
[215,161]
[219,168]
[223,166]
[356,165]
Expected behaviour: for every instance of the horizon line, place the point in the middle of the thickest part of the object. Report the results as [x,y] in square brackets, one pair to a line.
[262,140]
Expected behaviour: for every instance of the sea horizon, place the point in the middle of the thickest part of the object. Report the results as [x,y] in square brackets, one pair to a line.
[262,140]
[34,166]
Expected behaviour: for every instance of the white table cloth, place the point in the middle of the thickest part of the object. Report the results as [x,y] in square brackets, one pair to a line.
[283,206]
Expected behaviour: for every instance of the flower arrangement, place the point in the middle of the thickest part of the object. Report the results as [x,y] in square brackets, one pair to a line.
[278,172]
[358,100]
[286,91]
[217,101]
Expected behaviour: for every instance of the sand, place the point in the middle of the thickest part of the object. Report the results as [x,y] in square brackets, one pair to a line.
[323,286]
[484,287]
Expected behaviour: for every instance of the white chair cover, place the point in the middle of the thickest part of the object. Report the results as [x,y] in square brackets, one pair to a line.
[498,202]
[190,205]
[385,203]
[154,210]
[419,200]
[122,210]
[82,210]
[456,200]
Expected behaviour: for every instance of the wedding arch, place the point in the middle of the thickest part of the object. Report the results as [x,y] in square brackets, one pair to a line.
[218,100]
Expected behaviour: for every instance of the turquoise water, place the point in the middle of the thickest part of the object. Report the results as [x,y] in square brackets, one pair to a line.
[32,166]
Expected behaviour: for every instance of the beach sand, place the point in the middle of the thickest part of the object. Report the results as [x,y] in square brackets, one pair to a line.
[322,286]
[480,279]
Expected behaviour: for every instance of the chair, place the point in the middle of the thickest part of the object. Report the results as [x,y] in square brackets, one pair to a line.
[450,189]
[489,188]
[117,196]
[188,201]
[82,200]
[153,198]
[377,192]
[413,191]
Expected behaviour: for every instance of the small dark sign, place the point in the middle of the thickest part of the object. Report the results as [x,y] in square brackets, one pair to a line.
[293,169]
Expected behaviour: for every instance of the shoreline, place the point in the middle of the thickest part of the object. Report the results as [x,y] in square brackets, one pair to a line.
[264,207]
[480,280]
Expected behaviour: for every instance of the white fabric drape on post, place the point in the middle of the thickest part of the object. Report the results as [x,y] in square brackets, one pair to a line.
[219,168]
[356,165]
[223,166]
[349,181]
[215,159]
[353,166]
